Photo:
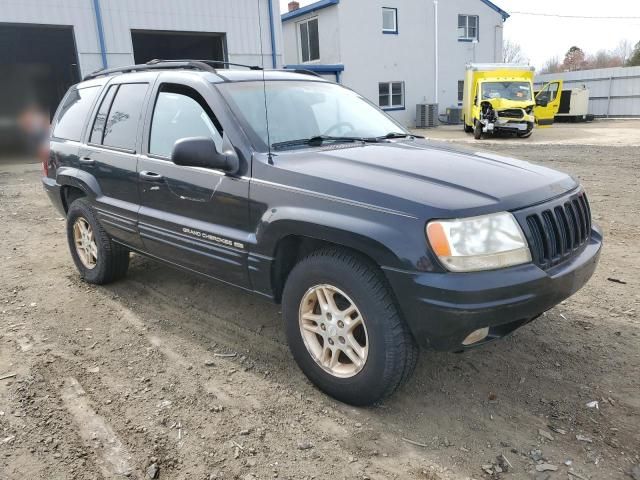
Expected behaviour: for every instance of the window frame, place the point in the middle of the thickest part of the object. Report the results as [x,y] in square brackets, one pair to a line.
[460,92]
[466,37]
[388,31]
[391,107]
[96,111]
[173,87]
[299,35]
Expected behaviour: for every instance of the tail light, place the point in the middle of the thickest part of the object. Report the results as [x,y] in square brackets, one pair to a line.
[43,153]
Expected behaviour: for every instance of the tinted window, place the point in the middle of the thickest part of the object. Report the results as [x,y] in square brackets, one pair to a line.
[122,122]
[180,115]
[101,116]
[73,113]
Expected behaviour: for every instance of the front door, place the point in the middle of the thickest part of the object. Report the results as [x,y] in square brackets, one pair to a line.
[191,216]
[548,103]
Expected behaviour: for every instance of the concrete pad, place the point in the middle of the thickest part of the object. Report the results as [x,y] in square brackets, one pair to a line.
[597,133]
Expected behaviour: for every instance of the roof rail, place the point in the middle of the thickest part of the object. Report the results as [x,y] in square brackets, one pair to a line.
[157,64]
[302,71]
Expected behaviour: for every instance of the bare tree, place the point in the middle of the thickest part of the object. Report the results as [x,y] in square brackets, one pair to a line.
[512,53]
[603,59]
[624,50]
[552,66]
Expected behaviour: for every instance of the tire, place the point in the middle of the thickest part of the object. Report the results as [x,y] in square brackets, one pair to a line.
[467,128]
[108,261]
[391,352]
[477,130]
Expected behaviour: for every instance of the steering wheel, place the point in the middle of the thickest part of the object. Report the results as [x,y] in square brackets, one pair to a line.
[337,126]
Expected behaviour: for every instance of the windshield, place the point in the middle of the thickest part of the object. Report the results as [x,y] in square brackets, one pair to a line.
[518,91]
[302,110]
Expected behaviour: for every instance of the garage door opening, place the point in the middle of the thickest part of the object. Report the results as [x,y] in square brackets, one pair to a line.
[38,63]
[149,45]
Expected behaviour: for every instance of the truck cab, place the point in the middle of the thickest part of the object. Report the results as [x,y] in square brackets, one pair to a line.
[499,98]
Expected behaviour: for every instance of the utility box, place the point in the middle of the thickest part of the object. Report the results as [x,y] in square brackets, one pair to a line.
[574,105]
[454,115]
[426,115]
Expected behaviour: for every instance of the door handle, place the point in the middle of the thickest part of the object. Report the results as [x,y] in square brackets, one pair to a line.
[87,160]
[151,176]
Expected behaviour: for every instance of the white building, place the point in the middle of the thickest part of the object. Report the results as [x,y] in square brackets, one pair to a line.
[397,53]
[49,44]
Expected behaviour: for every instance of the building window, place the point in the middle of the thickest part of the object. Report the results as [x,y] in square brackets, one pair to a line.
[468,26]
[460,90]
[391,95]
[309,40]
[389,20]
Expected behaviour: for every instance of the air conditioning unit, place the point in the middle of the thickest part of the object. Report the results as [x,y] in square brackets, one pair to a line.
[426,115]
[454,115]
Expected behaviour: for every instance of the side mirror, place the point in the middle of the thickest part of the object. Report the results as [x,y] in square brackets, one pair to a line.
[202,152]
[542,101]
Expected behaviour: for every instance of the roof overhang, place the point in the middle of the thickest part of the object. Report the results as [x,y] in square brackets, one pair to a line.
[308,9]
[493,6]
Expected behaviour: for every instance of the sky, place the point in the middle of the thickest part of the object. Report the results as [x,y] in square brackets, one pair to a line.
[544,37]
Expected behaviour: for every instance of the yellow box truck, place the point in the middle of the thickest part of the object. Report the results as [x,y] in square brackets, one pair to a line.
[498,98]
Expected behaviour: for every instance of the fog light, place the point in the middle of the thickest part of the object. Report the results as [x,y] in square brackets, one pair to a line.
[476,336]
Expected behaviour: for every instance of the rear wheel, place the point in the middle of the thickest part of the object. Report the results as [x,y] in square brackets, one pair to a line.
[98,259]
[467,128]
[344,329]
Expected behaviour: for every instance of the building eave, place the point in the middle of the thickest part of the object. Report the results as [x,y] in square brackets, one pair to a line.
[493,6]
[308,9]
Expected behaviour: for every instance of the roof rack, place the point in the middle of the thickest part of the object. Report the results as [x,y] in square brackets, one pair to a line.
[303,71]
[157,64]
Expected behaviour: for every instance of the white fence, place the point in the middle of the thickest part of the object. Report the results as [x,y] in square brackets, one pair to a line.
[613,92]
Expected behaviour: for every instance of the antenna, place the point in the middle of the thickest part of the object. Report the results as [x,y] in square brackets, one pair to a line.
[264,86]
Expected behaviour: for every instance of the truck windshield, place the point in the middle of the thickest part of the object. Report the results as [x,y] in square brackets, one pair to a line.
[518,91]
[299,110]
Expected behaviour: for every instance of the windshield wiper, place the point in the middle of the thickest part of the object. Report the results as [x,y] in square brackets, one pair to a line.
[392,135]
[319,140]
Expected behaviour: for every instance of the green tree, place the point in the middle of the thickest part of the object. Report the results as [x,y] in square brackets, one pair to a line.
[574,59]
[634,59]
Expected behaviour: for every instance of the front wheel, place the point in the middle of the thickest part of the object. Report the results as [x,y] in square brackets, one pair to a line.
[477,130]
[98,259]
[344,329]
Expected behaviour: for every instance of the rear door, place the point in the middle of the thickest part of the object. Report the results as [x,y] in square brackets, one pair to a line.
[192,216]
[111,155]
[548,103]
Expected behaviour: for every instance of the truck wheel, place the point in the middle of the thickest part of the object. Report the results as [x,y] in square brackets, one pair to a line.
[477,130]
[98,259]
[344,329]
[467,128]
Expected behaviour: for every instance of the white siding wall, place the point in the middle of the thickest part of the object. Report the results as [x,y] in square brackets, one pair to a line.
[328,33]
[351,34]
[239,19]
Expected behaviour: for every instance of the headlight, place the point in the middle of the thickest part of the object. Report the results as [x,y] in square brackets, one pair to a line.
[479,243]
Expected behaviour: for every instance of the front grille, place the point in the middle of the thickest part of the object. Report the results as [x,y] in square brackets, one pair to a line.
[511,113]
[557,231]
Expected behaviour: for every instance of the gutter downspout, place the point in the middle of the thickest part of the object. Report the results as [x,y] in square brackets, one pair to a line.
[273,34]
[435,57]
[98,15]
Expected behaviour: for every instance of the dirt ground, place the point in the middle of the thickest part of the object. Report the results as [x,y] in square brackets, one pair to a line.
[163,375]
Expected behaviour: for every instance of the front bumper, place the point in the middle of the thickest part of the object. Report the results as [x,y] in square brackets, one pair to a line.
[442,309]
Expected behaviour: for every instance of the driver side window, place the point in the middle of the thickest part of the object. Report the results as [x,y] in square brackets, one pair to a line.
[180,112]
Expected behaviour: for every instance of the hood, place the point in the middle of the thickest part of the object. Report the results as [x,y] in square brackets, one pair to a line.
[413,174]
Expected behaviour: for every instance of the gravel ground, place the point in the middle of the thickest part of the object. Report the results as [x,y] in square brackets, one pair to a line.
[166,376]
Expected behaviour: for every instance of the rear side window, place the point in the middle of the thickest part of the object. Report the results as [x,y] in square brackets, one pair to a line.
[180,113]
[121,128]
[101,118]
[73,113]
